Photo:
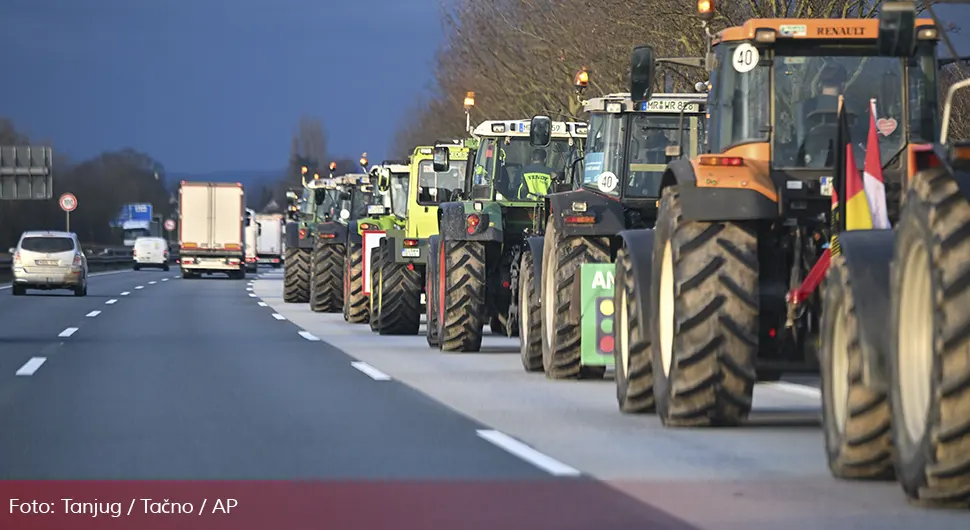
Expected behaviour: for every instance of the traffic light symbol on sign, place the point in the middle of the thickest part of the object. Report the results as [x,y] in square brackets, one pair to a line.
[604,325]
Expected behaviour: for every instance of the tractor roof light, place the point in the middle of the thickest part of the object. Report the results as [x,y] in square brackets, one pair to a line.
[303,170]
[581,79]
[705,10]
[363,160]
[469,101]
[333,166]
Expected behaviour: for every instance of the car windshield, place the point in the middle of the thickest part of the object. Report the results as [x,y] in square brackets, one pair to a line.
[515,157]
[47,244]
[436,188]
[399,193]
[806,103]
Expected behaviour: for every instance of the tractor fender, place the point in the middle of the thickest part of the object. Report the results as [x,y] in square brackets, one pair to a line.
[293,239]
[332,227]
[354,237]
[536,245]
[715,203]
[607,211]
[867,255]
[639,249]
[453,225]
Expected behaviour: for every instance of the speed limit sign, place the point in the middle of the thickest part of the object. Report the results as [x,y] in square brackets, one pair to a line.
[68,202]
[169,224]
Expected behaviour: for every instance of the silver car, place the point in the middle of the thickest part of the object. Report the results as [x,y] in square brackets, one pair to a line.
[49,260]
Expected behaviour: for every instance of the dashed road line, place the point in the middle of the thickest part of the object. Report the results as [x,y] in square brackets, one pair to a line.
[139,287]
[31,366]
[112,301]
[278,316]
[164,279]
[370,371]
[251,295]
[249,288]
[802,390]
[67,332]
[530,455]
[93,314]
[126,293]
[309,336]
[261,304]
[152,283]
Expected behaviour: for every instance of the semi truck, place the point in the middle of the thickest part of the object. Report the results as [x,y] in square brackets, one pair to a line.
[211,231]
[269,243]
[252,238]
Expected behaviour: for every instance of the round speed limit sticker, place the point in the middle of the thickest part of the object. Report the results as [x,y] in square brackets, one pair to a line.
[607,181]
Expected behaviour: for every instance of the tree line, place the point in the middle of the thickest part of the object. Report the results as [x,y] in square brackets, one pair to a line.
[519,56]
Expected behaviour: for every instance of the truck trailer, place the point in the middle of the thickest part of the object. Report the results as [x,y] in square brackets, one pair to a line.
[211,238]
[269,244]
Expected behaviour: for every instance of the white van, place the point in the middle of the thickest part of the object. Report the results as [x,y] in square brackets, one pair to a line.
[151,252]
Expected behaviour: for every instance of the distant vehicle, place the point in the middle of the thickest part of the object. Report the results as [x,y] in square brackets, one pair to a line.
[252,236]
[211,229]
[150,252]
[269,244]
[135,229]
[48,261]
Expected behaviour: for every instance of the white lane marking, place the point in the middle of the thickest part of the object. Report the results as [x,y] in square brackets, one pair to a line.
[126,293]
[109,302]
[67,332]
[530,455]
[251,295]
[249,288]
[93,314]
[309,336]
[152,283]
[92,275]
[139,287]
[371,372]
[261,304]
[278,316]
[31,366]
[793,388]
[176,277]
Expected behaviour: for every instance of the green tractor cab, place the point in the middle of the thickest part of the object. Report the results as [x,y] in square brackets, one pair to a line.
[473,273]
[318,202]
[396,258]
[572,262]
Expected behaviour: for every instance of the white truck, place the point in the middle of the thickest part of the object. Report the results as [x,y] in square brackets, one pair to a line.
[252,236]
[269,244]
[211,229]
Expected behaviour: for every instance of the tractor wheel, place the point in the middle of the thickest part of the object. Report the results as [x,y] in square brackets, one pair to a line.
[296,276]
[530,317]
[631,353]
[930,372]
[400,298]
[855,419]
[326,285]
[431,287]
[373,301]
[562,258]
[706,331]
[461,296]
[355,302]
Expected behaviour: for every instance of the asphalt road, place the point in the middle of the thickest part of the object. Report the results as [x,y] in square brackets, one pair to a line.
[766,475]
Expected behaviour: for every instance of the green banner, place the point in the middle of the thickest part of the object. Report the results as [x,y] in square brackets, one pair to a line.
[597,313]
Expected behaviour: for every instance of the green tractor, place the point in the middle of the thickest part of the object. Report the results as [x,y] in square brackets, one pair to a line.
[384,211]
[474,267]
[317,203]
[398,257]
[629,146]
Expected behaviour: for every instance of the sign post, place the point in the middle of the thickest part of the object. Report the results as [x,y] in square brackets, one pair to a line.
[169,227]
[68,203]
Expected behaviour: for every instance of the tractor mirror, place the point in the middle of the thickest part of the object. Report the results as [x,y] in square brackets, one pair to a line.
[441,158]
[291,196]
[897,34]
[642,63]
[540,131]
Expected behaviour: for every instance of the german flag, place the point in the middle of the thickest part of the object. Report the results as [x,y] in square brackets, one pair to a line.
[854,213]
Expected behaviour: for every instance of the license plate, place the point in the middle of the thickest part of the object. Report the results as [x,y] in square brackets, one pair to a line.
[826,186]
[46,262]
[410,252]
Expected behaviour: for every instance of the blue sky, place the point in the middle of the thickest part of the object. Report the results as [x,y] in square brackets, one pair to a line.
[208,85]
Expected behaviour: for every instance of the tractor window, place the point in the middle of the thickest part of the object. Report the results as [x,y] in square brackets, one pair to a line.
[650,134]
[329,206]
[525,166]
[739,103]
[604,153]
[399,193]
[436,188]
[924,95]
[360,200]
[806,104]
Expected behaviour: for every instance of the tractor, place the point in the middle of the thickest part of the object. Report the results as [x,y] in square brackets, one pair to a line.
[628,147]
[475,258]
[398,257]
[706,299]
[895,309]
[318,203]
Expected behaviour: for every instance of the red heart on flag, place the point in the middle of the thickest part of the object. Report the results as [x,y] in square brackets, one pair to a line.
[886,126]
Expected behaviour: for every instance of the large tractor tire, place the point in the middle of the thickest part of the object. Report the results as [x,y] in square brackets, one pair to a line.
[435,254]
[373,301]
[400,298]
[355,302]
[562,258]
[631,354]
[461,296]
[929,366]
[704,311]
[855,419]
[530,317]
[327,275]
[296,276]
